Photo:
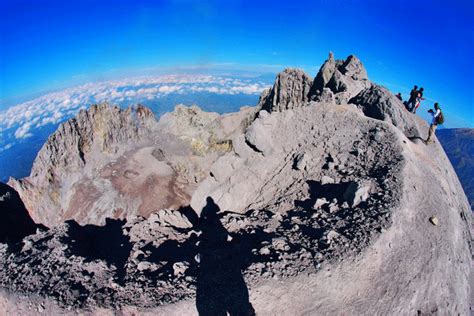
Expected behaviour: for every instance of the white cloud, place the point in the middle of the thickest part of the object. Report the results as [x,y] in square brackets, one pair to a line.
[57,106]
[169,89]
[23,131]
[6,147]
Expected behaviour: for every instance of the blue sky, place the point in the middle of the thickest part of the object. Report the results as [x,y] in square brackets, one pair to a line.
[48,45]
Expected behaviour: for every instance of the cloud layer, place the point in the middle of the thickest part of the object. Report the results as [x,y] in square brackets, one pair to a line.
[21,120]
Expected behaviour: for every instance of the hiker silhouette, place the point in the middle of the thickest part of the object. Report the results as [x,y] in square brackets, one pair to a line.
[220,286]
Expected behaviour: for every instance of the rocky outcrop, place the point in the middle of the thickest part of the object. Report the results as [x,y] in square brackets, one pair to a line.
[97,129]
[79,146]
[15,221]
[344,79]
[291,89]
[281,151]
[325,74]
[336,82]
[377,102]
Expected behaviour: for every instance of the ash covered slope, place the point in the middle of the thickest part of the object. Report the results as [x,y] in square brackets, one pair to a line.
[459,146]
[322,206]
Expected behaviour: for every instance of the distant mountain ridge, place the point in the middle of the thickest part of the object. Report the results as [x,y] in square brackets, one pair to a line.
[459,146]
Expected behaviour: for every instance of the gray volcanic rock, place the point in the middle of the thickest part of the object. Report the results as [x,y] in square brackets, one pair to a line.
[325,74]
[258,136]
[337,81]
[114,163]
[353,68]
[16,223]
[291,89]
[276,143]
[316,207]
[344,78]
[78,143]
[97,129]
[377,102]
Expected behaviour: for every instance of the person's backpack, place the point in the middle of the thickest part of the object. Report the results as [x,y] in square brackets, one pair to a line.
[440,118]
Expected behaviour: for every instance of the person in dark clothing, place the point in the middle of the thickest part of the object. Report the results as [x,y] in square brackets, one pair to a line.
[399,96]
[420,92]
[419,97]
[412,99]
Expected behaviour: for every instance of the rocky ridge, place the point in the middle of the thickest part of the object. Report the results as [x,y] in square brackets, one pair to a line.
[324,186]
[114,163]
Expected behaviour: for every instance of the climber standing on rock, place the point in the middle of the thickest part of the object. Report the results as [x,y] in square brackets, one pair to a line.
[418,98]
[437,119]
[412,98]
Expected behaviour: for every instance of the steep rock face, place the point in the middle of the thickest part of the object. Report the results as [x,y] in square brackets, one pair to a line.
[291,89]
[15,222]
[74,149]
[97,129]
[377,102]
[325,73]
[353,68]
[114,163]
[345,79]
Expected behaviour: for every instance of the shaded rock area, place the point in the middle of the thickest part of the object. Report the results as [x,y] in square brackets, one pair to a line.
[174,255]
[318,201]
[16,223]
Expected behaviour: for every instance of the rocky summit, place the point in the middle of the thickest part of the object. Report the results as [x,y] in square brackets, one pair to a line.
[320,200]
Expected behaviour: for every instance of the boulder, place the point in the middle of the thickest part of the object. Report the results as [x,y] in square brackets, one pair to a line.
[179,268]
[300,161]
[171,218]
[353,68]
[291,89]
[358,192]
[378,103]
[258,136]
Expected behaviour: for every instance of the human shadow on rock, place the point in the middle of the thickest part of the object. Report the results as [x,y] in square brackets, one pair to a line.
[220,286]
[216,260]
